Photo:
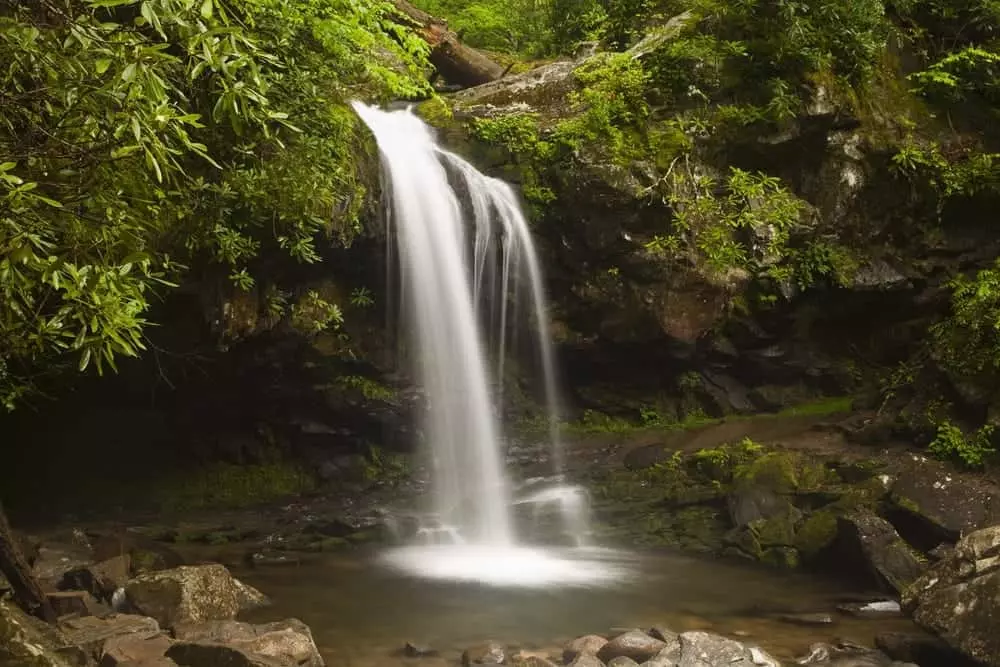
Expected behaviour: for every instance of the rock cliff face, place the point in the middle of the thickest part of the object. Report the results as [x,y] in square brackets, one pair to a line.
[737,338]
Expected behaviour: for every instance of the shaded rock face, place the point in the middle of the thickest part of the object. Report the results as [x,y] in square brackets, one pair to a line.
[288,642]
[890,559]
[958,598]
[25,641]
[668,649]
[191,594]
[934,506]
[636,645]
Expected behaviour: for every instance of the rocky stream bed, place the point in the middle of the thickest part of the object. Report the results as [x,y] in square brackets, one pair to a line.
[755,542]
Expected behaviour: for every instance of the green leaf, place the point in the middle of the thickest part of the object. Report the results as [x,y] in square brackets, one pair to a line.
[84,359]
[101,65]
[206,9]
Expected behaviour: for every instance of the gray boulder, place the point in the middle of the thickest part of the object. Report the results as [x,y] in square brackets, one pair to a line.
[635,645]
[958,598]
[191,594]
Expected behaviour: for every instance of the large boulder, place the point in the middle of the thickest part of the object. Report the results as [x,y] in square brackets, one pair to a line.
[99,579]
[704,649]
[634,644]
[90,634]
[27,642]
[958,598]
[287,642]
[191,594]
[873,541]
[937,505]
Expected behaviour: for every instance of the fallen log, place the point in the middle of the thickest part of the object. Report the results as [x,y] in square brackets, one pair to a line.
[457,63]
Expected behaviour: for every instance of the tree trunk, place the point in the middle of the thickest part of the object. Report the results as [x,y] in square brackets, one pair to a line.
[456,62]
[27,592]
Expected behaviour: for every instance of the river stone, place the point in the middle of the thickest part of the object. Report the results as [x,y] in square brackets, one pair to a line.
[704,649]
[289,641]
[946,505]
[663,634]
[634,644]
[129,651]
[586,645]
[99,579]
[27,642]
[530,659]
[586,660]
[922,649]
[90,633]
[958,598]
[190,594]
[623,661]
[891,560]
[191,654]
[487,653]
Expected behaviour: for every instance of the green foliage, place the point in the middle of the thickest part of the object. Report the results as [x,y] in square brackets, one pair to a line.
[951,443]
[711,230]
[385,468]
[313,314]
[968,342]
[370,389]
[610,103]
[138,138]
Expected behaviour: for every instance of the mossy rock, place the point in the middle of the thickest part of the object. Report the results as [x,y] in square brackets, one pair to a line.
[816,533]
[787,558]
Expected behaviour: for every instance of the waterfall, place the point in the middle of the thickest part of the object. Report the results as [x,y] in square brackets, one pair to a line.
[467,260]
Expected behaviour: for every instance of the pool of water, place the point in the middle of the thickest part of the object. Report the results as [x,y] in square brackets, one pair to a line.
[363,612]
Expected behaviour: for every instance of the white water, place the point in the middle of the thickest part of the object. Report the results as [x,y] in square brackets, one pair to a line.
[465,269]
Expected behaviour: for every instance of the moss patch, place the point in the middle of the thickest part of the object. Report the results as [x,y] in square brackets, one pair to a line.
[225,485]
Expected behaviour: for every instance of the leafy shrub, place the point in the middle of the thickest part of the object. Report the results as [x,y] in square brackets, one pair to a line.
[951,443]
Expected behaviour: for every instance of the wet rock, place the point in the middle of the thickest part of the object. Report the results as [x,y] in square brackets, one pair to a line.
[27,641]
[622,661]
[846,654]
[807,619]
[869,539]
[586,645]
[634,644]
[99,579]
[753,503]
[875,609]
[704,649]
[941,505]
[131,651]
[487,653]
[663,634]
[145,554]
[530,659]
[91,633]
[54,560]
[79,603]
[191,594]
[668,657]
[412,650]
[218,655]
[287,642]
[957,597]
[586,660]
[924,650]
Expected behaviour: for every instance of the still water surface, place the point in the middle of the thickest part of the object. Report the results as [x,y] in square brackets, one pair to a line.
[362,614]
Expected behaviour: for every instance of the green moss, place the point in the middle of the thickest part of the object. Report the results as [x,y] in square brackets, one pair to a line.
[826,406]
[436,112]
[816,533]
[225,485]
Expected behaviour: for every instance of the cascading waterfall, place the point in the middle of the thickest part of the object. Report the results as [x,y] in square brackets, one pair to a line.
[466,264]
